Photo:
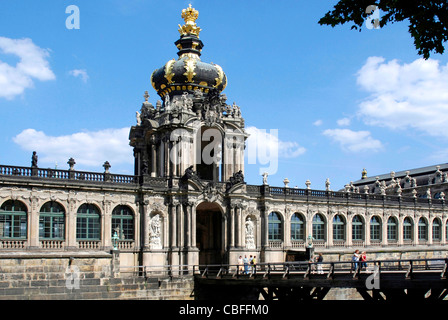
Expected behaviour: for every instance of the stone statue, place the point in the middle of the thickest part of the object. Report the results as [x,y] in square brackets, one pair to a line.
[34,160]
[154,233]
[138,118]
[250,237]
[327,185]
[265,178]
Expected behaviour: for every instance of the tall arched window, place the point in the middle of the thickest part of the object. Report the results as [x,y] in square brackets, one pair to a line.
[357,228]
[275,227]
[318,227]
[392,229]
[88,226]
[123,223]
[407,229]
[13,221]
[422,230]
[436,230]
[297,227]
[375,229]
[338,227]
[52,221]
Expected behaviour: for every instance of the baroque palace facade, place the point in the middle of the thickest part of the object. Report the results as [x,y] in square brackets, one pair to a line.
[188,203]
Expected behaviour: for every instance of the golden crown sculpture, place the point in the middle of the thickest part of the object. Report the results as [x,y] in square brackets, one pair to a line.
[189,15]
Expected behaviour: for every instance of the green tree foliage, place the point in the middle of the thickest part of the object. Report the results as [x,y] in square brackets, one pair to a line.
[428,19]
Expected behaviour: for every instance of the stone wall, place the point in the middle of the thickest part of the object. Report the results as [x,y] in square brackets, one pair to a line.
[82,277]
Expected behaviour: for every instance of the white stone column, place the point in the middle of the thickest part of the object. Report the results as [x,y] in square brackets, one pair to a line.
[106,224]
[232,226]
[70,217]
[193,225]
[33,223]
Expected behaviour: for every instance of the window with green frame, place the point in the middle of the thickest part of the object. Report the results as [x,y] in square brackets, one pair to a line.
[392,234]
[407,229]
[13,220]
[123,223]
[88,225]
[375,229]
[297,227]
[52,221]
[318,227]
[422,230]
[338,227]
[357,228]
[436,230]
[274,227]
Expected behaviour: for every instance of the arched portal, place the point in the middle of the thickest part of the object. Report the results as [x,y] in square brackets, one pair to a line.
[209,233]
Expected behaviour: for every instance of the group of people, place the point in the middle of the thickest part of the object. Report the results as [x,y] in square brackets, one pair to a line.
[359,258]
[318,259]
[247,264]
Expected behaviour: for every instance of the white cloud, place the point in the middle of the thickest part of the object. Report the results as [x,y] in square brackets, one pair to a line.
[270,141]
[354,141]
[343,122]
[317,123]
[405,96]
[89,149]
[32,64]
[82,73]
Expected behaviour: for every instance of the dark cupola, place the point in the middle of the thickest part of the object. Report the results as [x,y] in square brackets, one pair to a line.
[188,73]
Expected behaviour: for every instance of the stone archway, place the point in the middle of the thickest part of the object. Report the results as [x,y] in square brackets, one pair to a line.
[209,233]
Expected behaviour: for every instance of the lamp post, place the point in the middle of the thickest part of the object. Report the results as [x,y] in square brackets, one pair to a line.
[115,240]
[309,247]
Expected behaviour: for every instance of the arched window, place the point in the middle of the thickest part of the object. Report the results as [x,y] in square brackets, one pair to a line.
[392,228]
[422,230]
[357,228]
[375,229]
[338,228]
[88,226]
[123,223]
[318,227]
[436,230]
[13,221]
[275,227]
[407,229]
[297,227]
[52,221]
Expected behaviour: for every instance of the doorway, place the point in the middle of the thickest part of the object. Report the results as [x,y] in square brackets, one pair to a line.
[209,232]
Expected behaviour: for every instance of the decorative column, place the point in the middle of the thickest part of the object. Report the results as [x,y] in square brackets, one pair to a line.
[193,225]
[348,236]
[33,223]
[173,211]
[71,222]
[145,223]
[239,225]
[187,210]
[231,209]
[106,223]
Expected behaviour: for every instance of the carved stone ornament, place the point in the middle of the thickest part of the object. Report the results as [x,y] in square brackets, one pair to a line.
[155,241]
[210,192]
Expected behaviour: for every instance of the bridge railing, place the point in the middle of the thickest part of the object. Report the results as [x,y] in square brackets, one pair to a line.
[287,269]
[302,267]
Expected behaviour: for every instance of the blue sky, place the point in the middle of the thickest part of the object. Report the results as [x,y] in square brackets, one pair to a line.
[341,100]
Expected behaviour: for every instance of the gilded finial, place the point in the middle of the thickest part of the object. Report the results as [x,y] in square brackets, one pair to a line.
[189,15]
[364,174]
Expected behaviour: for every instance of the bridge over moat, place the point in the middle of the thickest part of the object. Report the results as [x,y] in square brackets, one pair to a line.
[391,280]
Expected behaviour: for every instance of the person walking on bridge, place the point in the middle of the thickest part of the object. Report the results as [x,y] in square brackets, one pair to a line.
[363,259]
[355,259]
[319,261]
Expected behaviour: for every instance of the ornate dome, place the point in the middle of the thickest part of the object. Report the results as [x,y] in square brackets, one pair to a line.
[188,72]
